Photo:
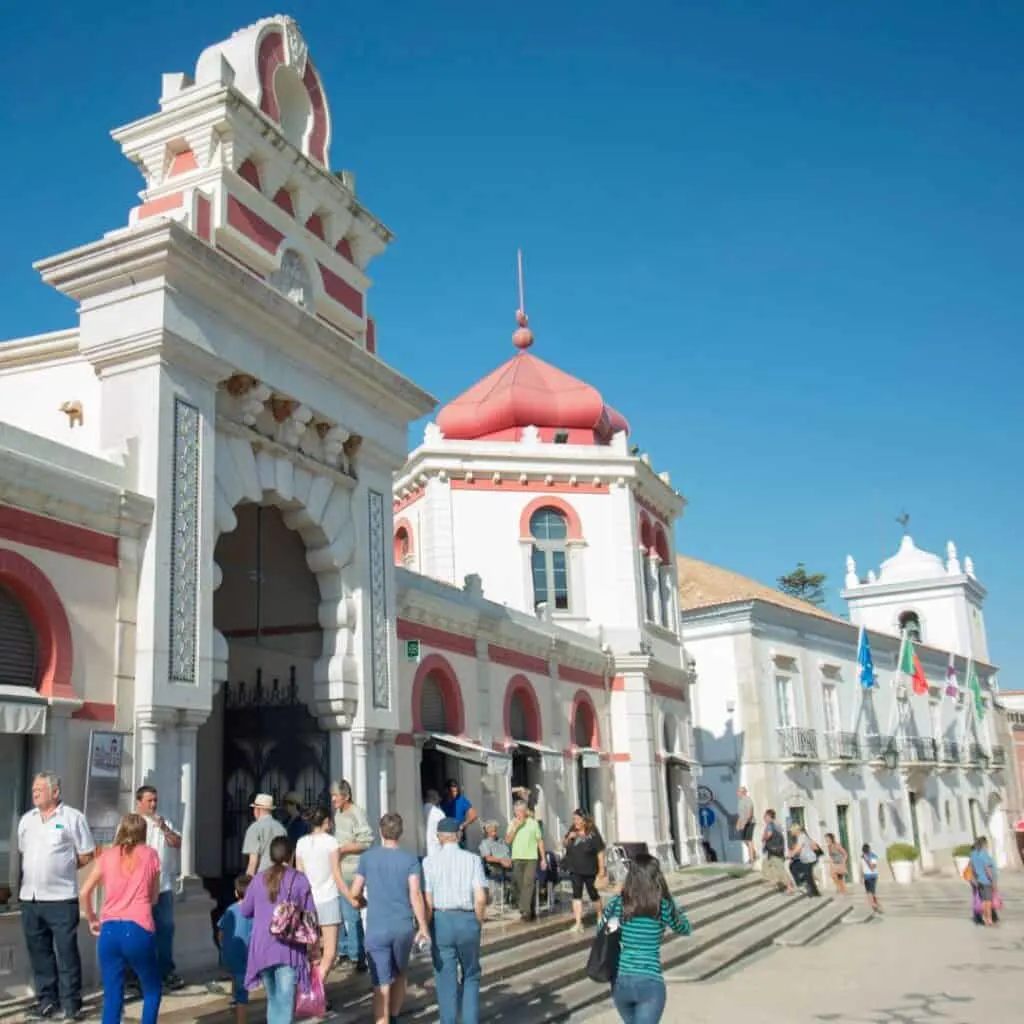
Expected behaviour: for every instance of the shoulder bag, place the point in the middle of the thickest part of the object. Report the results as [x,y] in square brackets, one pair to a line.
[603,962]
[292,924]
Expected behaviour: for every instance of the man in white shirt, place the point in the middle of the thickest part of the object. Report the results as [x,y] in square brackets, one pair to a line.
[434,816]
[54,841]
[160,834]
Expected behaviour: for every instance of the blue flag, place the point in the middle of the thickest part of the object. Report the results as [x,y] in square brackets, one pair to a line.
[866,667]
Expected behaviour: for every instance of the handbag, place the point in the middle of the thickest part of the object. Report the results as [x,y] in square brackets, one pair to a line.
[291,924]
[603,962]
[313,1001]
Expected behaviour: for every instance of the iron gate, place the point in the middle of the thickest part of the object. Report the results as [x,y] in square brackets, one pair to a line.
[272,744]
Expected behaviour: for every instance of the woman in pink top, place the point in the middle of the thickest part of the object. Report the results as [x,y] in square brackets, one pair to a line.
[129,872]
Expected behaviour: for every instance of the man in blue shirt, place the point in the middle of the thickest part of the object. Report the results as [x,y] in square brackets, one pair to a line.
[456,805]
[984,868]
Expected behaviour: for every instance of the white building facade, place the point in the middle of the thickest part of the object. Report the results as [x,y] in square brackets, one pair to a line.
[215,546]
[782,710]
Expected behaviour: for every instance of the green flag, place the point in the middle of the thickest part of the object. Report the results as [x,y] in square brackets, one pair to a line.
[975,687]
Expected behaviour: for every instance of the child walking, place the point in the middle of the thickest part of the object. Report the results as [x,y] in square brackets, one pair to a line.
[233,933]
[869,866]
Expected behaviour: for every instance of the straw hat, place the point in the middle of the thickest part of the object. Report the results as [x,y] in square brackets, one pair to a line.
[264,801]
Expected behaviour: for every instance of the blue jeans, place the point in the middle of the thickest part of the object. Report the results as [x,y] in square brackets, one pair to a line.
[125,944]
[639,999]
[350,937]
[279,984]
[456,943]
[163,917]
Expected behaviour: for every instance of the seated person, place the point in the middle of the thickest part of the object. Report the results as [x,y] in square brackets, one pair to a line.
[495,853]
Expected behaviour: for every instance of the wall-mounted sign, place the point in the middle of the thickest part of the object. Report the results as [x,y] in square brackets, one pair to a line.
[590,759]
[103,784]
[706,817]
[412,650]
[704,795]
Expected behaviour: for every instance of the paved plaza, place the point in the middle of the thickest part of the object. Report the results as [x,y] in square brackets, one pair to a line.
[902,970]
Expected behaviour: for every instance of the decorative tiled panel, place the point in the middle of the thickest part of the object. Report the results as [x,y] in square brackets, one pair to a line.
[378,604]
[184,544]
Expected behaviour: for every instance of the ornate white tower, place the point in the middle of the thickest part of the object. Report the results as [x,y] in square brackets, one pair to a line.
[938,602]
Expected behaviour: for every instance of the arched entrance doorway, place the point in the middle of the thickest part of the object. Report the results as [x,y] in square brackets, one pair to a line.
[267,609]
[523,726]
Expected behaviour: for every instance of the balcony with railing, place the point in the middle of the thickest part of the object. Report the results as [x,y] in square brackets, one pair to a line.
[951,752]
[977,755]
[917,750]
[842,746]
[797,744]
[999,757]
[881,749]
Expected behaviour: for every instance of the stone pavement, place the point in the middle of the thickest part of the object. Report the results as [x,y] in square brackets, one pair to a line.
[891,971]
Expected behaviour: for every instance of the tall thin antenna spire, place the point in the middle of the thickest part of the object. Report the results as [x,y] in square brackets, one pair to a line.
[522,288]
[522,337]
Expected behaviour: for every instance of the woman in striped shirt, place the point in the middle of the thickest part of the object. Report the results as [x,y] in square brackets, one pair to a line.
[644,910]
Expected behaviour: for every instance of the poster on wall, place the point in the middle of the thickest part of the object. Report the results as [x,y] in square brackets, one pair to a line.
[103,784]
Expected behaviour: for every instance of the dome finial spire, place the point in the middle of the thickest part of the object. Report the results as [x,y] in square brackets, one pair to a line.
[522,337]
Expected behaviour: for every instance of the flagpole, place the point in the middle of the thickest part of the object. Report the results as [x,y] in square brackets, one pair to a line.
[895,710]
[858,706]
[968,699]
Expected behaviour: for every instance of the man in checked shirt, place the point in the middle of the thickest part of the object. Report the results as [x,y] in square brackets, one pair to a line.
[456,893]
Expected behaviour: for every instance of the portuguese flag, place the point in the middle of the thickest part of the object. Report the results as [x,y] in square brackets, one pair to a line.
[910,668]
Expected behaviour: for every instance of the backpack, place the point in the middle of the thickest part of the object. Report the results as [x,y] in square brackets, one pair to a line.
[775,845]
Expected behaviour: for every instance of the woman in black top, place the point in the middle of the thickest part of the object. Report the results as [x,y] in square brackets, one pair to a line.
[584,860]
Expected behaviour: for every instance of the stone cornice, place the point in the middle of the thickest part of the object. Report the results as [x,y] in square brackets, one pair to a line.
[49,347]
[866,591]
[130,260]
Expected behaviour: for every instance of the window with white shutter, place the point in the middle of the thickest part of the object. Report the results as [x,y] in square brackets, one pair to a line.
[19,648]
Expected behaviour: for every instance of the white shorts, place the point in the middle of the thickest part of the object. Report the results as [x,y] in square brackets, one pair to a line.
[329,912]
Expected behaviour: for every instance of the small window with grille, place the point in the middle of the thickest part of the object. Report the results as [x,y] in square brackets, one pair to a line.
[19,647]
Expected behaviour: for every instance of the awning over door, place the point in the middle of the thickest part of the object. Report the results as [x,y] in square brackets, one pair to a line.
[550,759]
[22,712]
[495,762]
[589,758]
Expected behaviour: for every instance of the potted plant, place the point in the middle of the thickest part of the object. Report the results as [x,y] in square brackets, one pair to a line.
[962,857]
[902,857]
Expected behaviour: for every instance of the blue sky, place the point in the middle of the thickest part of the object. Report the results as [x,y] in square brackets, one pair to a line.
[784,238]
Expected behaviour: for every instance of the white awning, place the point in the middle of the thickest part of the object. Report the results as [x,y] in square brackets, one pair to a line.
[550,759]
[679,759]
[494,761]
[537,748]
[589,757]
[22,712]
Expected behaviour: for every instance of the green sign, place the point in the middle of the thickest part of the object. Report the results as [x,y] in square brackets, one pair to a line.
[412,650]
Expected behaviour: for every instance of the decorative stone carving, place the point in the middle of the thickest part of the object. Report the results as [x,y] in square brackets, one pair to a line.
[334,439]
[851,572]
[432,434]
[184,583]
[292,280]
[293,426]
[378,604]
[952,562]
[296,48]
[349,450]
[969,565]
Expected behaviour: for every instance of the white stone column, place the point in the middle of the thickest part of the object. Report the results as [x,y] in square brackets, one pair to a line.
[348,756]
[187,761]
[147,769]
[358,771]
[383,765]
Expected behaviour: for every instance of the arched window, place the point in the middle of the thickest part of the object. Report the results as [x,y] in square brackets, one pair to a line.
[19,657]
[910,626]
[403,547]
[549,562]
[519,718]
[433,715]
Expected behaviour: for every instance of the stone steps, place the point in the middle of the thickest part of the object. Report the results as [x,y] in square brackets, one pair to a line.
[822,920]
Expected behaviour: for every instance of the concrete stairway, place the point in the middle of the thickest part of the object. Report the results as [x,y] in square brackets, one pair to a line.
[536,973]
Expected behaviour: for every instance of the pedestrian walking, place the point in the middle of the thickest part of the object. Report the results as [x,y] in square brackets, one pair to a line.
[432,817]
[524,836]
[456,805]
[354,835]
[745,823]
[395,915]
[773,849]
[803,860]
[162,837]
[54,841]
[869,869]
[644,910]
[279,965]
[584,860]
[838,862]
[456,895]
[983,868]
[129,872]
[260,835]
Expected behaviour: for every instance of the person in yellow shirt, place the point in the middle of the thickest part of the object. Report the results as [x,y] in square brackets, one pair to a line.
[524,836]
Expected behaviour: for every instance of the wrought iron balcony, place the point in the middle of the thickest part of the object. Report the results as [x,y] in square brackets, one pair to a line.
[998,757]
[883,749]
[796,744]
[951,752]
[917,749]
[842,746]
[977,754]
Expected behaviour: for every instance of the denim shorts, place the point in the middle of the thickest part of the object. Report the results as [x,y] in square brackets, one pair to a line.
[388,956]
[239,993]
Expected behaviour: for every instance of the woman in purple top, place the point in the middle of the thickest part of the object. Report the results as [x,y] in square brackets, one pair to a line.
[279,966]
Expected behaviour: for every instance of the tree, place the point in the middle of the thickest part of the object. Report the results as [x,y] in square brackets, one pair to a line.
[807,587]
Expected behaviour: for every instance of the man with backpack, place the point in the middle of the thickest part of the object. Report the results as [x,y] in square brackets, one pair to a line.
[773,846]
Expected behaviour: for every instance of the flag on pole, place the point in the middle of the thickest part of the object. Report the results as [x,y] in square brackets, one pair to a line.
[975,687]
[952,686]
[910,668]
[866,667]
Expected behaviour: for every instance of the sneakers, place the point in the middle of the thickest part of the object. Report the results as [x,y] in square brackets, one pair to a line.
[576,929]
[44,1011]
[174,983]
